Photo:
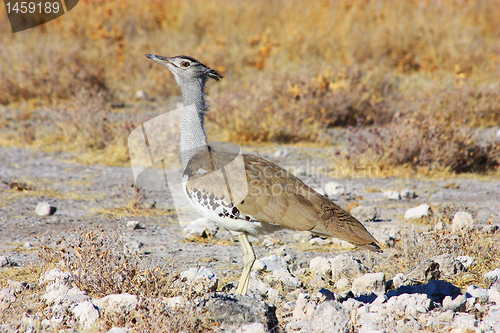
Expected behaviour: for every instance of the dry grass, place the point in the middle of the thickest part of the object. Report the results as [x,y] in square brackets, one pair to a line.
[290,73]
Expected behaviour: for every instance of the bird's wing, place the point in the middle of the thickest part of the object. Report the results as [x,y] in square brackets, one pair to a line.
[268,193]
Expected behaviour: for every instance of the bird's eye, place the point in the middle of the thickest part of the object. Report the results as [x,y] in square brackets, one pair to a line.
[185,64]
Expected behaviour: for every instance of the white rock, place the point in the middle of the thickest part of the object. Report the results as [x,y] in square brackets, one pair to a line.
[345,265]
[400,280]
[141,94]
[364,213]
[175,303]
[252,328]
[462,220]
[56,275]
[466,261]
[132,247]
[391,195]
[282,152]
[200,279]
[418,212]
[86,314]
[320,241]
[304,307]
[368,284]
[320,265]
[477,292]
[494,293]
[4,261]
[330,316]
[498,135]
[132,225]
[448,266]
[342,284]
[44,209]
[117,330]
[333,189]
[121,304]
[201,227]
[493,275]
[342,245]
[456,305]
[7,295]
[408,194]
[272,263]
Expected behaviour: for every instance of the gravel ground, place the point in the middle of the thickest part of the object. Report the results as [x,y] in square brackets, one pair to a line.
[84,195]
[90,196]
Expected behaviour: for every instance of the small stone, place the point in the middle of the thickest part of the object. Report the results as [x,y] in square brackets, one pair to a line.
[317,280]
[368,284]
[425,270]
[176,303]
[117,330]
[466,261]
[302,237]
[304,307]
[498,135]
[489,228]
[457,304]
[44,209]
[320,241]
[86,314]
[494,293]
[342,284]
[408,194]
[252,328]
[235,311]
[493,275]
[320,265]
[27,245]
[56,276]
[4,261]
[418,212]
[333,189]
[18,286]
[141,94]
[342,245]
[132,247]
[201,227]
[121,304]
[345,265]
[477,292]
[462,220]
[132,225]
[391,195]
[272,263]
[282,152]
[400,280]
[448,266]
[364,213]
[439,226]
[199,279]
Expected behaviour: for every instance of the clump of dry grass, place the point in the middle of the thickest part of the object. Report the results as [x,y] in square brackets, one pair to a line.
[101,267]
[423,143]
[290,74]
[417,246]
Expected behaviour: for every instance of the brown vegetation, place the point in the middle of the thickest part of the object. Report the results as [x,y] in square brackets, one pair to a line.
[420,71]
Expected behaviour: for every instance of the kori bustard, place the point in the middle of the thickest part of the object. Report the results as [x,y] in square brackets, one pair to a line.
[273,198]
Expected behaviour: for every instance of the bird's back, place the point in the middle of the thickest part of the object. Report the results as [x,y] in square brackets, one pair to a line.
[250,188]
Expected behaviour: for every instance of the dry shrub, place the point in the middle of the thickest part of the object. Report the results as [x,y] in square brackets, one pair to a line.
[423,143]
[102,267]
[299,105]
[417,246]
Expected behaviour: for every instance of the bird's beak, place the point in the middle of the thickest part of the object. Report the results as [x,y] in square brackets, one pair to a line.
[160,59]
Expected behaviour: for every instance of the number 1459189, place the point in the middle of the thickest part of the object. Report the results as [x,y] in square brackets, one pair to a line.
[32,7]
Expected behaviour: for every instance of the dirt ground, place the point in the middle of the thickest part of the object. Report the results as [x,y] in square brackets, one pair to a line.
[87,195]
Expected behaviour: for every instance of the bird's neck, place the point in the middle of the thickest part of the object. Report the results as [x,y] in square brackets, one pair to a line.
[193,134]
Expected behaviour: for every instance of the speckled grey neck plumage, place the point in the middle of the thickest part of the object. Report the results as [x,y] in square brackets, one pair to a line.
[193,134]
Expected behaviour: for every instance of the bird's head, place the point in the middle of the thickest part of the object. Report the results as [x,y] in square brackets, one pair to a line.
[184,67]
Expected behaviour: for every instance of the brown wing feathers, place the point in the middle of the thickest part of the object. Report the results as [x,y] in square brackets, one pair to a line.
[278,197]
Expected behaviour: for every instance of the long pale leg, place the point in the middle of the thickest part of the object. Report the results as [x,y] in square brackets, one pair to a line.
[248,260]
